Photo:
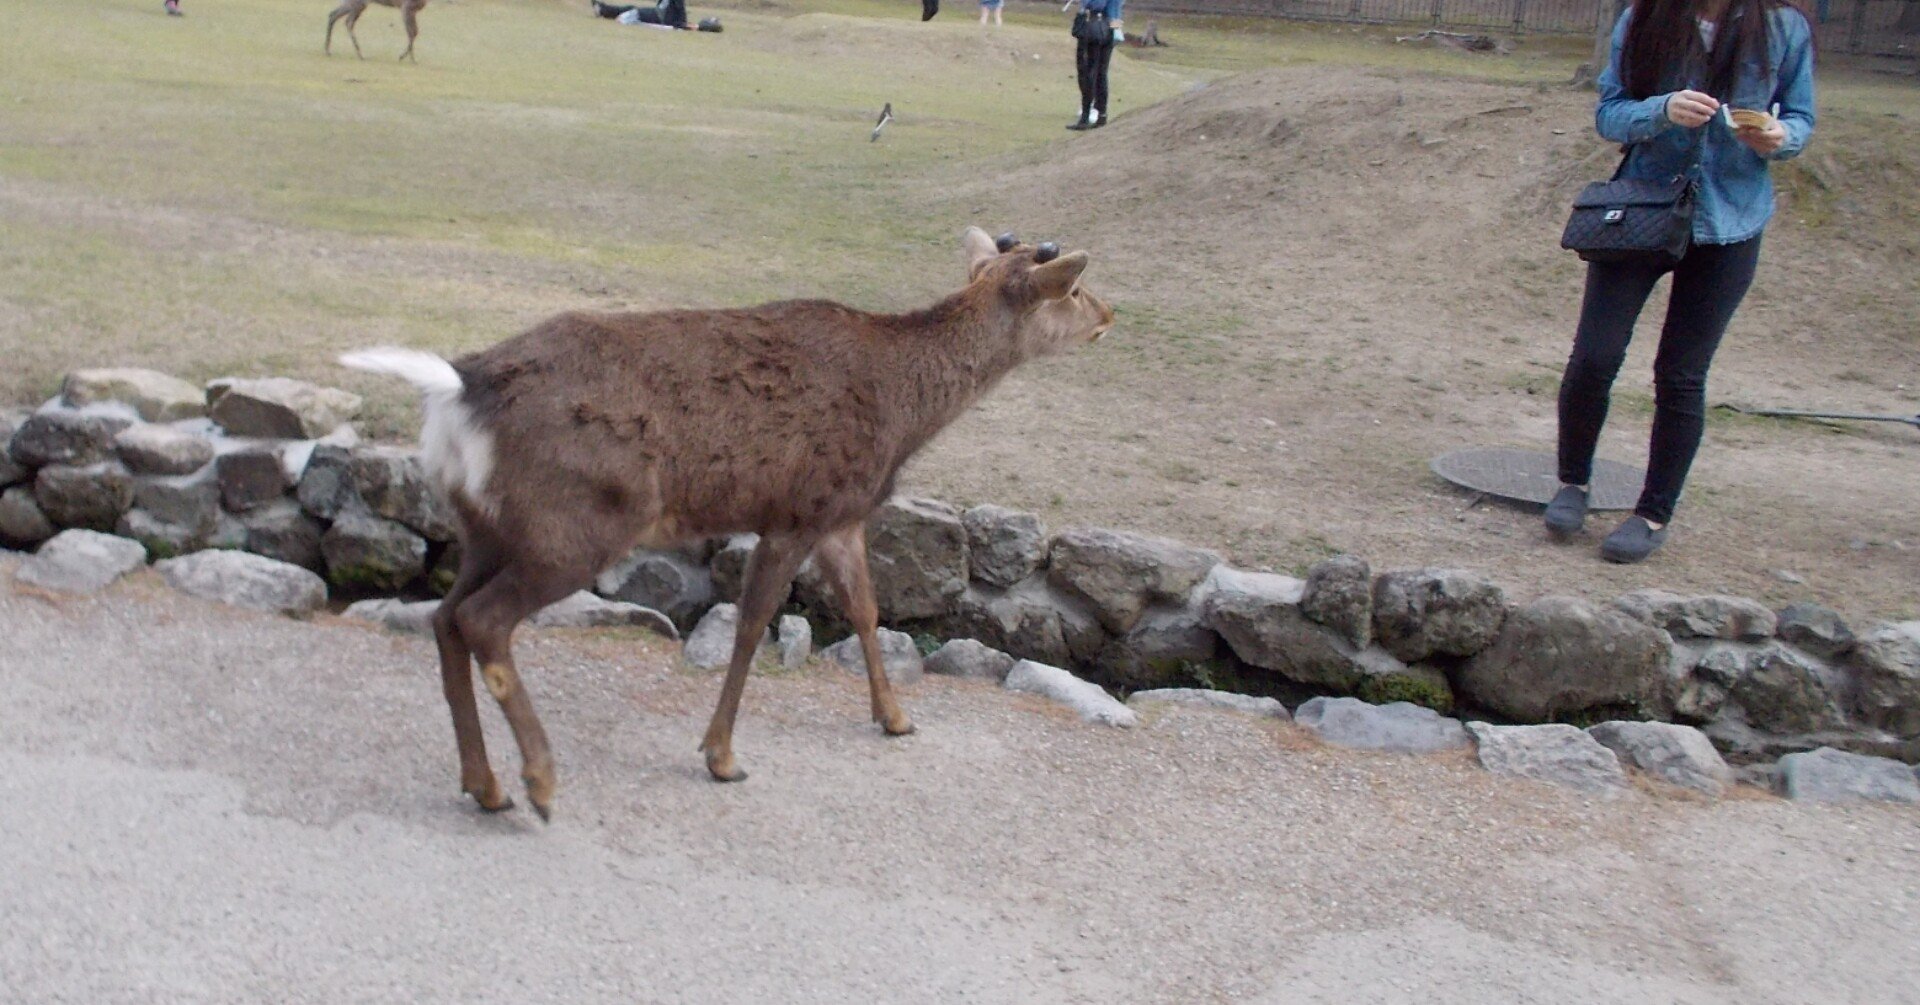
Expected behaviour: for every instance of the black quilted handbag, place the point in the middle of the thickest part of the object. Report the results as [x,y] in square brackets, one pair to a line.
[1634,219]
[1092,27]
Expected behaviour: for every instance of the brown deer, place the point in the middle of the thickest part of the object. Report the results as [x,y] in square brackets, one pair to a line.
[352,9]
[564,447]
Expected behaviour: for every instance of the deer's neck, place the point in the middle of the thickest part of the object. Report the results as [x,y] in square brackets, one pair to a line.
[948,356]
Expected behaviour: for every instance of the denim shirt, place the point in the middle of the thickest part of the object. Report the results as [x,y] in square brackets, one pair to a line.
[1111,8]
[1734,197]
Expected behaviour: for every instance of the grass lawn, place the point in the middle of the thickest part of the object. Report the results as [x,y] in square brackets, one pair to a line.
[211,194]
[251,205]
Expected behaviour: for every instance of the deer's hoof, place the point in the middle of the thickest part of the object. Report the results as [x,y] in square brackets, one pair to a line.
[723,769]
[489,797]
[540,786]
[897,724]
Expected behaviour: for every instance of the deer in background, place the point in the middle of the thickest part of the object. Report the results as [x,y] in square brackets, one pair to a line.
[352,9]
[565,447]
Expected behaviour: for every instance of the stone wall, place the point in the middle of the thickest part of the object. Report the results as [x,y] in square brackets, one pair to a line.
[267,466]
[273,467]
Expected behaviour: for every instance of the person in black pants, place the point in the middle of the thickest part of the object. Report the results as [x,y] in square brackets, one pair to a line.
[1657,97]
[1091,57]
[1708,285]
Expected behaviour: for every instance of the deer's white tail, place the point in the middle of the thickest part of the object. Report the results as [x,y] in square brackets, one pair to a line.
[456,451]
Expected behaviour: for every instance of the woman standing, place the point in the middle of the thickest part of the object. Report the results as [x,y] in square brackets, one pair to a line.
[1097,28]
[1678,71]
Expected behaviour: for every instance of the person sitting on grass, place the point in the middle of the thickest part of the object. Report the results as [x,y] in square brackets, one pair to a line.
[668,13]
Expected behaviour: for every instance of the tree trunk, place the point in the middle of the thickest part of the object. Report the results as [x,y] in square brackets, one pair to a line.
[1909,22]
[1608,13]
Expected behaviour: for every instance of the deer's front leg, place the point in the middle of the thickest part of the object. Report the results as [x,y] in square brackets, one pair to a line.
[843,557]
[769,573]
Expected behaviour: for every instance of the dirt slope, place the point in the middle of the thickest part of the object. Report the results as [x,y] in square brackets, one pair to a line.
[1327,276]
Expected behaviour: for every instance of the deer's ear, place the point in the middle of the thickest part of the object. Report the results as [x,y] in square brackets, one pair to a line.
[1056,278]
[979,249]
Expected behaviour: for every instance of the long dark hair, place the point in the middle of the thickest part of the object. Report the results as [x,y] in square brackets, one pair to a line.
[1663,41]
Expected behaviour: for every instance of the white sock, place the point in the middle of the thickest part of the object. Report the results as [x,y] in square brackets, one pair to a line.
[1093,115]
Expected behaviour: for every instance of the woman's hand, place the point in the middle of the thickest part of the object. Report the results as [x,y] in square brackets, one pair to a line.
[1691,108]
[1762,141]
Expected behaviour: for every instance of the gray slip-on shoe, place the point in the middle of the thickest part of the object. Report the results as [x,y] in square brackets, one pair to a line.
[1567,513]
[1632,541]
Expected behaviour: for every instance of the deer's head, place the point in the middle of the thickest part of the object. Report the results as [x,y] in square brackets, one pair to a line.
[1052,310]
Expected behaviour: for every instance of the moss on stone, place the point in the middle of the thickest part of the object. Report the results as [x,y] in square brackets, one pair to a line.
[440,580]
[159,548]
[1214,675]
[1430,690]
[363,577]
[1585,717]
[926,643]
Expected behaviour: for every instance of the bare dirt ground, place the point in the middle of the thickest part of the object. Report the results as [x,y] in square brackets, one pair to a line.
[1331,275]
[207,805]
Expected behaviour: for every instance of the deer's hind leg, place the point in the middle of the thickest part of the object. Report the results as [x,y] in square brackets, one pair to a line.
[409,15]
[480,561]
[843,557]
[353,18]
[486,621]
[769,572]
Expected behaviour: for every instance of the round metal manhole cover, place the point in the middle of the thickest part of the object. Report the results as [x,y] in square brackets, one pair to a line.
[1532,476]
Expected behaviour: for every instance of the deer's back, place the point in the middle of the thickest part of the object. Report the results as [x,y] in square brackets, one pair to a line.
[763,419]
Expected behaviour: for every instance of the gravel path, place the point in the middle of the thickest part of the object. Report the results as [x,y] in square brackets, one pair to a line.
[200,804]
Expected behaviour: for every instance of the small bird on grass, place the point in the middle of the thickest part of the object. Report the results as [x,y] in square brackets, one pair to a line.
[886,116]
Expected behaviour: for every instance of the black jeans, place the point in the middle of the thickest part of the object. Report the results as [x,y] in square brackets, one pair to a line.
[1091,59]
[1708,285]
